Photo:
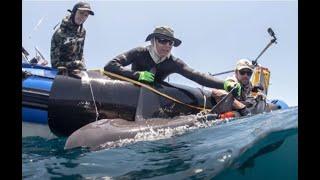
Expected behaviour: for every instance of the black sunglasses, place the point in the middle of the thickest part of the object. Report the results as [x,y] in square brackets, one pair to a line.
[242,72]
[164,41]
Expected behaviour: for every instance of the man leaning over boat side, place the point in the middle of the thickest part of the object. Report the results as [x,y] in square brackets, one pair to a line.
[155,61]
[241,81]
[68,40]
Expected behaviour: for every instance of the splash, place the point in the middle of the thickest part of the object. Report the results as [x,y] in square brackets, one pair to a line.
[153,134]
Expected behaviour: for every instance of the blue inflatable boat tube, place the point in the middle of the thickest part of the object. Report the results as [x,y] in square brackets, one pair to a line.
[35,93]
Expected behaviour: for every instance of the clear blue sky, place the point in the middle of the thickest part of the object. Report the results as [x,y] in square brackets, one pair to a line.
[214,34]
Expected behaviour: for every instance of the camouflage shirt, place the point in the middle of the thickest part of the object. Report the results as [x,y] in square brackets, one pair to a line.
[67,44]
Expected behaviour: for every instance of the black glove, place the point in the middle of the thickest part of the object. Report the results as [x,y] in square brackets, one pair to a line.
[76,73]
[62,70]
[244,111]
[76,65]
[256,88]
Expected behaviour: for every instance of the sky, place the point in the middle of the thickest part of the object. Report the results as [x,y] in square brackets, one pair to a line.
[214,34]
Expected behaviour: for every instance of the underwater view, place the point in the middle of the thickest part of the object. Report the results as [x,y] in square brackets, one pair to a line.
[264,146]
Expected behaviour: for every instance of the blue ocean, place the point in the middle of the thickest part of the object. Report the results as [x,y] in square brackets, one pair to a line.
[263,146]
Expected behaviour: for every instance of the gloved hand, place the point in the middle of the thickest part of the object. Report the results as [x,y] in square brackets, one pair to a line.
[77,64]
[229,85]
[76,73]
[62,70]
[257,88]
[146,76]
[244,111]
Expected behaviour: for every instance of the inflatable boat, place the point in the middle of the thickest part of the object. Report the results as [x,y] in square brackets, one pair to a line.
[58,105]
[65,103]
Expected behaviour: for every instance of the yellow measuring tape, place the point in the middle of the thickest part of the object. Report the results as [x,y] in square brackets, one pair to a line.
[150,88]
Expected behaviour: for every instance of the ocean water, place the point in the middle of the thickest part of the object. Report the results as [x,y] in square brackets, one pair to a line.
[261,147]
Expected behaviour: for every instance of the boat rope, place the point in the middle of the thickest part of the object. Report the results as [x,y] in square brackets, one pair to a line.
[209,113]
[92,95]
[204,100]
[223,99]
[148,87]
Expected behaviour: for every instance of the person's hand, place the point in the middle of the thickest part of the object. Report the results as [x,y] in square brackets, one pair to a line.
[76,73]
[62,70]
[229,85]
[77,64]
[257,88]
[244,111]
[146,76]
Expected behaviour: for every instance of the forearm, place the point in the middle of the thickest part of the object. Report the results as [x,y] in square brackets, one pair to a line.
[116,67]
[83,63]
[55,61]
[204,79]
[117,64]
[81,54]
[200,78]
[55,51]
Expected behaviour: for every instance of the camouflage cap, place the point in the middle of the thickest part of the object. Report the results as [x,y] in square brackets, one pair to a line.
[82,6]
[244,64]
[164,32]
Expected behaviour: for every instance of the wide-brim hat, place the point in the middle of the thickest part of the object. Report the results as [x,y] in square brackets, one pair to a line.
[244,64]
[84,6]
[164,32]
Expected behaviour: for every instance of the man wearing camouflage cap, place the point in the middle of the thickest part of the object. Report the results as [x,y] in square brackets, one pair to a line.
[241,81]
[155,62]
[68,40]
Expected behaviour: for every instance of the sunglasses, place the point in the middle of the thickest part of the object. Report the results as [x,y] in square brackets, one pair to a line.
[164,41]
[243,72]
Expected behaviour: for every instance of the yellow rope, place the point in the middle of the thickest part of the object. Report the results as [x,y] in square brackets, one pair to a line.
[148,87]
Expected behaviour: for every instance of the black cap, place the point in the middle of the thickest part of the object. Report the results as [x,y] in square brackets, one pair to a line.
[82,6]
